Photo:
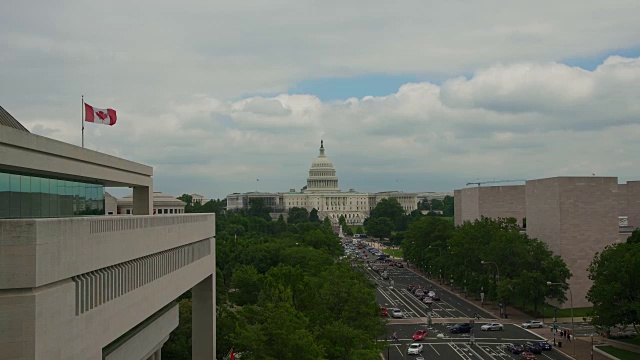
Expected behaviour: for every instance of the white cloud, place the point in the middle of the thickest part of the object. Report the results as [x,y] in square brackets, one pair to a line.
[565,121]
[179,74]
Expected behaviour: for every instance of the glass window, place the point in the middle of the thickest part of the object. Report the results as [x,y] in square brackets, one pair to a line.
[35,197]
[54,198]
[25,200]
[44,197]
[5,195]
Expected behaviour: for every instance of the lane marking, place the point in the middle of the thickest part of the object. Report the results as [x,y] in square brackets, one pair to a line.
[434,349]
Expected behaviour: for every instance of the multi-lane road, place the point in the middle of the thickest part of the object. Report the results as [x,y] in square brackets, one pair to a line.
[451,309]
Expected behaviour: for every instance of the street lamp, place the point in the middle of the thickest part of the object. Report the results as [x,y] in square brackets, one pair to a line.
[573,326]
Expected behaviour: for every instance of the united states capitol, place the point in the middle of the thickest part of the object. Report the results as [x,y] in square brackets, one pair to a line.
[323,194]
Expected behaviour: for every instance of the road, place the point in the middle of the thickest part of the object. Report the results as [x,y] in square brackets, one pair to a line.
[440,344]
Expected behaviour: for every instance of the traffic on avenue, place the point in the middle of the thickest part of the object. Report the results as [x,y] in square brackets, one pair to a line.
[425,321]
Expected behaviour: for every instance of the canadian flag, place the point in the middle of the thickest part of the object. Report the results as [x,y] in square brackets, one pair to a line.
[99,116]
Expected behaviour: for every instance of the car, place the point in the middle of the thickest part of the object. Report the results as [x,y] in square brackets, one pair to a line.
[427,300]
[420,335]
[491,327]
[410,287]
[515,348]
[460,328]
[414,349]
[544,345]
[390,263]
[419,358]
[396,313]
[435,297]
[532,347]
[399,265]
[384,312]
[527,356]
[532,324]
[419,292]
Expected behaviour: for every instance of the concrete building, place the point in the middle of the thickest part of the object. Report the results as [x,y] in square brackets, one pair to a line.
[323,194]
[576,216]
[93,287]
[162,204]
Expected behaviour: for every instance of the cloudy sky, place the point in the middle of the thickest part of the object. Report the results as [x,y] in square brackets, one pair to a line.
[407,95]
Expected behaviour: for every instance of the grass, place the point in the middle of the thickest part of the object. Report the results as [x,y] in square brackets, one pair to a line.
[396,252]
[578,313]
[634,341]
[619,353]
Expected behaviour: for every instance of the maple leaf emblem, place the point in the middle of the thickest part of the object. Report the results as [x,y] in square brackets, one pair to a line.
[102,115]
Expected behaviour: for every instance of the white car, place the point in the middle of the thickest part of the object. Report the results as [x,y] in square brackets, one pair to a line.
[532,324]
[396,313]
[431,293]
[491,327]
[414,349]
[427,300]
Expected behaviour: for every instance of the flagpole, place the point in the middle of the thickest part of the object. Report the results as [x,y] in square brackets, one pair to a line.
[82,120]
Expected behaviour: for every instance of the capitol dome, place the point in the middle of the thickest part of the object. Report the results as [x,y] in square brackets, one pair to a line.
[322,175]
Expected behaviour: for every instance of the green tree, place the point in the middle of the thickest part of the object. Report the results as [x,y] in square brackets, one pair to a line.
[615,293]
[313,215]
[178,346]
[391,209]
[359,230]
[247,283]
[380,227]
[298,215]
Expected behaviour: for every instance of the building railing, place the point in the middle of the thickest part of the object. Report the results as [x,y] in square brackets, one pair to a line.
[36,252]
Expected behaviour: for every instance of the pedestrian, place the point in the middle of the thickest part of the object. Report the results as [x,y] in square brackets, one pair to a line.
[395,337]
[561,333]
[568,335]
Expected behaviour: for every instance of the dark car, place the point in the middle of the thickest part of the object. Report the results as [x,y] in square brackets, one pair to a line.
[532,347]
[435,297]
[515,348]
[544,345]
[410,287]
[460,328]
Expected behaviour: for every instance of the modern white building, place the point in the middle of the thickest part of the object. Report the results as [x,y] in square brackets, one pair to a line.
[163,204]
[323,194]
[77,286]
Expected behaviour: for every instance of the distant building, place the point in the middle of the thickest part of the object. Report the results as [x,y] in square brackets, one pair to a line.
[323,194]
[162,204]
[576,216]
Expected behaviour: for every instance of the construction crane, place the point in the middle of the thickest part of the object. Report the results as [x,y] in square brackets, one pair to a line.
[493,182]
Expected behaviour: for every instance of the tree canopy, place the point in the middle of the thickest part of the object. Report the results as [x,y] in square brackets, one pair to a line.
[615,293]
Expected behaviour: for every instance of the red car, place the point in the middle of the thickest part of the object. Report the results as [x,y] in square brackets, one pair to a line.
[390,263]
[420,335]
[527,356]
[384,311]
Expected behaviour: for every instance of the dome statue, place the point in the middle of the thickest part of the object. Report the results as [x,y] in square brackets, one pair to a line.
[322,175]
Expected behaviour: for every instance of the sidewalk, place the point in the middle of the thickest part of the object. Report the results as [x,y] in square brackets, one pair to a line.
[582,344]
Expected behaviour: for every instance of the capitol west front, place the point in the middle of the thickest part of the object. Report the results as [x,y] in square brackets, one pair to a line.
[322,193]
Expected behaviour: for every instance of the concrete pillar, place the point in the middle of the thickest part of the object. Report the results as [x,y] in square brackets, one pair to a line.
[143,200]
[203,336]
[159,354]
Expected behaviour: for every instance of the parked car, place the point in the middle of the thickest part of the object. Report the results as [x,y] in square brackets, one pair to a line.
[515,348]
[532,324]
[527,356]
[544,345]
[419,292]
[384,311]
[532,347]
[414,349]
[410,287]
[399,265]
[435,297]
[420,335]
[390,263]
[427,300]
[460,328]
[491,327]
[396,313]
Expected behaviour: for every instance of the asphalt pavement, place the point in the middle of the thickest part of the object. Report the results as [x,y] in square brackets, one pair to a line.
[438,317]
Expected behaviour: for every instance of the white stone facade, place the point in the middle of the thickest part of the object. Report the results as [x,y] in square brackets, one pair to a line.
[323,194]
